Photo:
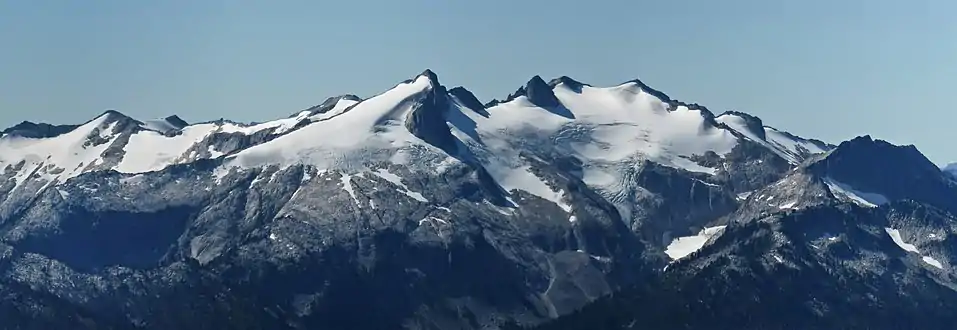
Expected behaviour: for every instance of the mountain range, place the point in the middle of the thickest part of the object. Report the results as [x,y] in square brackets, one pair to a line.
[561,206]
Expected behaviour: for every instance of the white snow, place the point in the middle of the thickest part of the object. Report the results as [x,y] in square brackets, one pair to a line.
[281,125]
[149,151]
[432,220]
[523,179]
[336,110]
[789,205]
[68,151]
[608,129]
[159,125]
[220,173]
[792,145]
[744,195]
[684,246]
[896,237]
[848,193]
[788,147]
[396,180]
[933,262]
[346,180]
[372,131]
[621,123]
[213,153]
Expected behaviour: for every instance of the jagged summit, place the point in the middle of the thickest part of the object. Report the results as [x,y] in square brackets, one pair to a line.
[433,78]
[753,123]
[29,129]
[895,172]
[864,150]
[427,119]
[467,98]
[537,91]
[568,191]
[540,93]
[113,114]
[176,121]
[567,81]
[341,102]
[422,106]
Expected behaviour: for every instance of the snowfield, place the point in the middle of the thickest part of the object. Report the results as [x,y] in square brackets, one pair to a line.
[609,129]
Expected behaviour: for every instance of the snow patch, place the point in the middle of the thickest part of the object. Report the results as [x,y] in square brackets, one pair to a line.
[213,153]
[744,195]
[336,110]
[281,125]
[848,193]
[72,152]
[149,151]
[791,148]
[788,206]
[683,246]
[523,179]
[896,237]
[159,125]
[346,180]
[396,180]
[933,262]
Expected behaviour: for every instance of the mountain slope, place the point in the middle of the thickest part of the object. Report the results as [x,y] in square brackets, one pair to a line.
[406,203]
[837,243]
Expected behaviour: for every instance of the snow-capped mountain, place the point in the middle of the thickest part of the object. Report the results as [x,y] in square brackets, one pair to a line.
[858,237]
[432,210]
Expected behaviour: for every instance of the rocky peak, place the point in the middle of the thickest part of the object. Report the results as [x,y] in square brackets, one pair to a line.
[540,93]
[433,78]
[176,121]
[864,151]
[896,172]
[37,130]
[753,123]
[427,119]
[567,81]
[331,103]
[467,99]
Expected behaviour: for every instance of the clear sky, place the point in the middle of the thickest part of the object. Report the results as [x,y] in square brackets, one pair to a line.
[828,69]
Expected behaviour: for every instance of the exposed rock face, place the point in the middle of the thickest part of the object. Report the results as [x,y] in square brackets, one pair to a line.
[33,130]
[429,210]
[427,120]
[540,93]
[468,99]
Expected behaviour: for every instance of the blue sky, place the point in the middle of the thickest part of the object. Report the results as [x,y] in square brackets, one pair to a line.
[825,69]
